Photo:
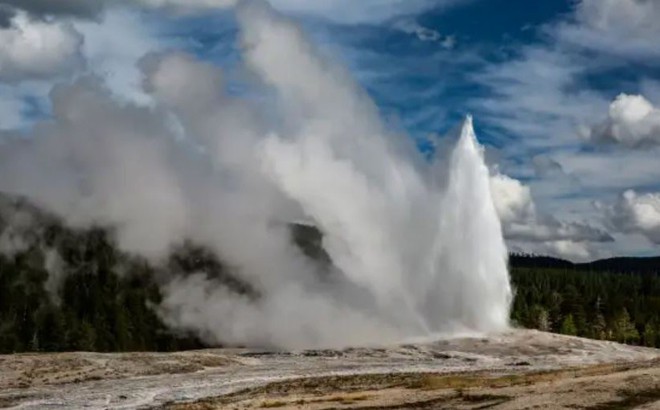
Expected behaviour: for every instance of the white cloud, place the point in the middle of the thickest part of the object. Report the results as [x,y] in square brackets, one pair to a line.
[187,6]
[448,42]
[611,170]
[539,95]
[114,45]
[340,11]
[513,200]
[11,109]
[412,27]
[623,28]
[363,11]
[632,121]
[526,229]
[534,97]
[540,99]
[37,49]
[636,213]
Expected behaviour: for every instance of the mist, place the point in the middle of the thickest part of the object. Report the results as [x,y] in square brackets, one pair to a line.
[416,246]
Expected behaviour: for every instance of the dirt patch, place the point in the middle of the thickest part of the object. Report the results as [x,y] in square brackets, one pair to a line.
[593,387]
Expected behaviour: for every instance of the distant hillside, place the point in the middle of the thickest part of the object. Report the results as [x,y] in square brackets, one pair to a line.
[636,265]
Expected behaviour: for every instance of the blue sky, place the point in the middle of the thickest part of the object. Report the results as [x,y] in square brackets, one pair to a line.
[565,94]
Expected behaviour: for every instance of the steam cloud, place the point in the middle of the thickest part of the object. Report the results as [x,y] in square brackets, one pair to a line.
[417,247]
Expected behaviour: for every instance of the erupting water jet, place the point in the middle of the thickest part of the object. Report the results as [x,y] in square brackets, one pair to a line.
[416,247]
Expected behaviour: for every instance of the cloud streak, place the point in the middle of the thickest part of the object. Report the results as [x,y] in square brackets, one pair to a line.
[339,11]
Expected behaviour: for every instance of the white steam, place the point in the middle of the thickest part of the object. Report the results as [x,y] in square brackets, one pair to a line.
[417,247]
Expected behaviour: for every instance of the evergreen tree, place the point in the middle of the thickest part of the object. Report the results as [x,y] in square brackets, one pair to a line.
[599,327]
[624,329]
[87,338]
[539,318]
[568,326]
[650,334]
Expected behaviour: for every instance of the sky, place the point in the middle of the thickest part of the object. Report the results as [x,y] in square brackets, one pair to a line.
[565,95]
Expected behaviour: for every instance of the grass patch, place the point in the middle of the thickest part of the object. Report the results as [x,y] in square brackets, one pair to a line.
[630,399]
[273,404]
[343,399]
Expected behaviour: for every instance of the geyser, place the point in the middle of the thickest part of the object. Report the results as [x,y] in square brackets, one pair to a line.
[416,246]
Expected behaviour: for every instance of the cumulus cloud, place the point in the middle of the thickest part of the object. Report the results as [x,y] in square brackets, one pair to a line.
[632,121]
[37,49]
[513,200]
[635,213]
[529,230]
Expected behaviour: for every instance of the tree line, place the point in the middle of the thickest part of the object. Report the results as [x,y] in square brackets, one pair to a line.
[608,300]
[95,306]
[74,290]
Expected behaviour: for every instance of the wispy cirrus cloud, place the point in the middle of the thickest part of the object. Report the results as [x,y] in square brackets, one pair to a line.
[340,11]
[626,29]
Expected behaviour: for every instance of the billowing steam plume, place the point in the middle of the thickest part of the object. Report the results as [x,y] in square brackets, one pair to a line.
[417,247]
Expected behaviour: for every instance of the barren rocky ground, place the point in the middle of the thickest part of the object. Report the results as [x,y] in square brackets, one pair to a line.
[521,369]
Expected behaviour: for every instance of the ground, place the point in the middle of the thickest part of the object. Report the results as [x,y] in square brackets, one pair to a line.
[519,369]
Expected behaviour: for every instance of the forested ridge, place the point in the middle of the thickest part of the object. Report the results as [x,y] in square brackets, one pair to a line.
[608,299]
[95,307]
[64,289]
